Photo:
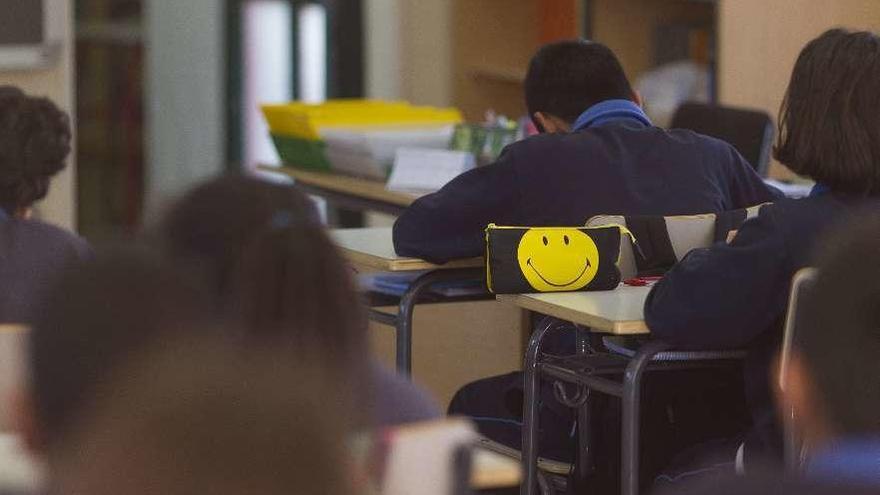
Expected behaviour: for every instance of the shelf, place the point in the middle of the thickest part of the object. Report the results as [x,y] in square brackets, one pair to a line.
[499,74]
[121,33]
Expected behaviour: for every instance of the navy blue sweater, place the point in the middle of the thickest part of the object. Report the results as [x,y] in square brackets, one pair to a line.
[620,167]
[735,296]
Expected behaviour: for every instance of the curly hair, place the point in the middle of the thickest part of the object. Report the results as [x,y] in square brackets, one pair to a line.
[35,140]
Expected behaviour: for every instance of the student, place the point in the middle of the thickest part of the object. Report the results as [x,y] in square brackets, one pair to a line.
[831,375]
[92,321]
[598,154]
[34,144]
[201,416]
[831,378]
[733,296]
[269,266]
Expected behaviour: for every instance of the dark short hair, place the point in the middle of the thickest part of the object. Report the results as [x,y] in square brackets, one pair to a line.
[267,261]
[94,319]
[34,143]
[568,77]
[838,332]
[829,123]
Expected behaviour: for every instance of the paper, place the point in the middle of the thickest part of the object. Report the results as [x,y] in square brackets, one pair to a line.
[426,170]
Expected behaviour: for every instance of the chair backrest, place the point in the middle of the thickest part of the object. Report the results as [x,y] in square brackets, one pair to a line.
[663,241]
[751,132]
[802,282]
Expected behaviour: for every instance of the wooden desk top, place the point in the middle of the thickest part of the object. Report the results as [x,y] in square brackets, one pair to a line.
[343,184]
[618,312]
[373,248]
[492,470]
[12,328]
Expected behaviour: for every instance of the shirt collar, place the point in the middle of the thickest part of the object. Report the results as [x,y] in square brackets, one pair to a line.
[849,461]
[610,111]
[819,189]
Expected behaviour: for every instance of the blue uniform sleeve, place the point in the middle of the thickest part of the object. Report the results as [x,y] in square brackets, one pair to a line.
[450,223]
[745,186]
[725,296]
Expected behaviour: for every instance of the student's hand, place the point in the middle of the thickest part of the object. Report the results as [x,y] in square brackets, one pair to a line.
[731,236]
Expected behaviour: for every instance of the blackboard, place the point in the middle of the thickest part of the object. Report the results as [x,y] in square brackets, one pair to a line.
[21,22]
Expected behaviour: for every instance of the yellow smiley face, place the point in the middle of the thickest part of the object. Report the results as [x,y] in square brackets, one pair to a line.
[556,260]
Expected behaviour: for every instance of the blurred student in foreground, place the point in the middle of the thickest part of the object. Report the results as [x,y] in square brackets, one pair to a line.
[202,416]
[831,392]
[268,266]
[99,316]
[34,144]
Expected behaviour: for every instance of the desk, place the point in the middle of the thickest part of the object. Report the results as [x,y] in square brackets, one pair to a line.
[373,248]
[617,312]
[491,470]
[347,192]
[12,366]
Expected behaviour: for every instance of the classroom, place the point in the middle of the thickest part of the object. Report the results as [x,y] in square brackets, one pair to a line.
[439,247]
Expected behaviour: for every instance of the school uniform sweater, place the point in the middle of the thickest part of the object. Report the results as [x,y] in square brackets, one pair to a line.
[614,162]
[32,254]
[735,296]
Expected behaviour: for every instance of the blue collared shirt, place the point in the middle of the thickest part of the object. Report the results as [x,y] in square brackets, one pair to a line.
[611,111]
[847,461]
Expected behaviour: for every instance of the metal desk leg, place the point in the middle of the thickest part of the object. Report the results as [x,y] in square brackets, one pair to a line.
[407,306]
[530,407]
[631,409]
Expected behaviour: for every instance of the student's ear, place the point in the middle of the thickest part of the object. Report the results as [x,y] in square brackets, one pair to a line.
[799,402]
[551,124]
[24,421]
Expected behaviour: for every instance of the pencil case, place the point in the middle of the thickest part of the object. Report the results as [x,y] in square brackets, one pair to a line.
[521,260]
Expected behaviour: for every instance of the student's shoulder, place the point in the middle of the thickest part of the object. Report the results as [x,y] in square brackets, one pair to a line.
[50,237]
[764,483]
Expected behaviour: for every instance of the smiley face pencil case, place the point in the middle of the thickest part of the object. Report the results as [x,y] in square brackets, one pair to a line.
[522,260]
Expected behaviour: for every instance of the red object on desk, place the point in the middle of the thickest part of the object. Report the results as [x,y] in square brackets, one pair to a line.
[641,281]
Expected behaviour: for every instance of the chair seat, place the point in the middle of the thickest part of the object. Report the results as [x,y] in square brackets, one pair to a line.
[629,346]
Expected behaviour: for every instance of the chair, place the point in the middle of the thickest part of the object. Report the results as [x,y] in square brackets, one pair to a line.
[751,132]
[660,243]
[801,283]
[663,241]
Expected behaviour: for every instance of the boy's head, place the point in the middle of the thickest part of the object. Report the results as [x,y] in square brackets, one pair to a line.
[831,380]
[34,143]
[568,77]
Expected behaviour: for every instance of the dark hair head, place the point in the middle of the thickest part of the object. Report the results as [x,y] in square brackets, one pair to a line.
[34,144]
[201,416]
[568,77]
[272,269]
[838,332]
[829,124]
[97,316]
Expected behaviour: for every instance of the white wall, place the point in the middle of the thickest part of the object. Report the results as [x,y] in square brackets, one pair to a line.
[186,96]
[56,83]
[382,50]
[409,50]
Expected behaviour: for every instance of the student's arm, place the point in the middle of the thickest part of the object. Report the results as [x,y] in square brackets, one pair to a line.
[724,296]
[450,223]
[746,187]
